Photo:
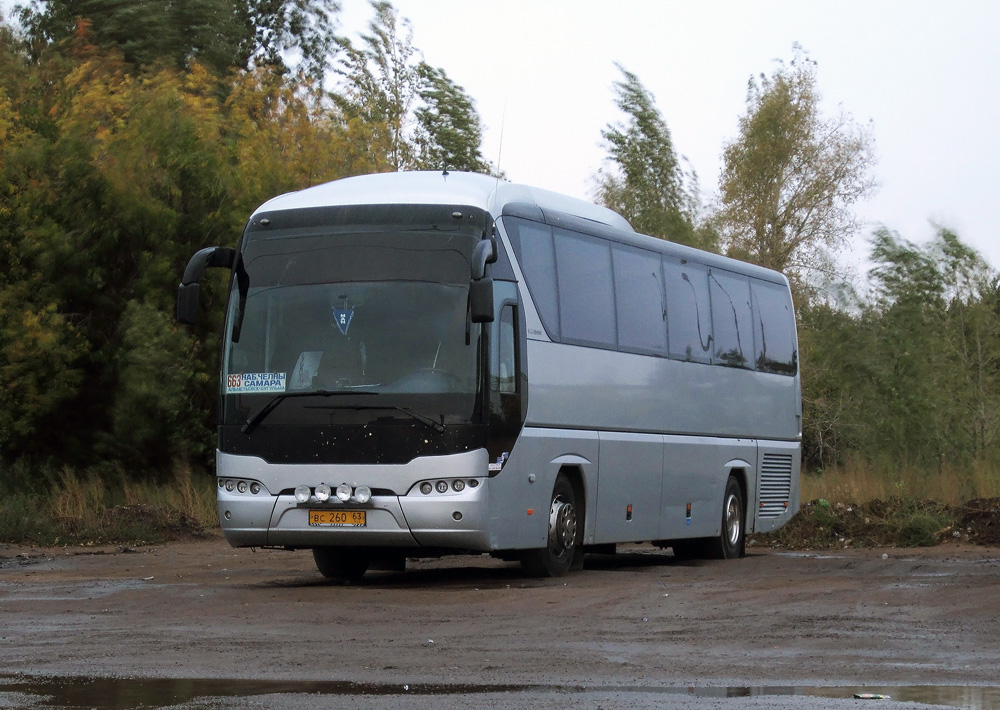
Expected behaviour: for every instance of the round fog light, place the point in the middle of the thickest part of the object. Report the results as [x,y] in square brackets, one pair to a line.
[242,486]
[302,493]
[344,492]
[456,515]
[323,492]
[426,488]
[442,486]
[230,486]
[362,494]
[458,484]
[227,515]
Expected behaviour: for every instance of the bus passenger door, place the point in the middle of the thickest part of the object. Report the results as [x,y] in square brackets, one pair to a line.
[629,487]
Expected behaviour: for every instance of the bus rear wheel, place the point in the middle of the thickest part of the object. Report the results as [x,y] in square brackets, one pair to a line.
[341,563]
[731,542]
[556,558]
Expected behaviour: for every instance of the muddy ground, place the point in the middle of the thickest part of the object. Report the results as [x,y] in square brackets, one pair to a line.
[640,619]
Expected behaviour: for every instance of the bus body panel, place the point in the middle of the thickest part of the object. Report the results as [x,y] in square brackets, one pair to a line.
[593,388]
[520,494]
[695,471]
[776,499]
[629,487]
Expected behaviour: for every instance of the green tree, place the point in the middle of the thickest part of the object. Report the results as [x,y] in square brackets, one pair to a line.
[449,133]
[910,375]
[791,176]
[645,183]
[220,34]
[380,82]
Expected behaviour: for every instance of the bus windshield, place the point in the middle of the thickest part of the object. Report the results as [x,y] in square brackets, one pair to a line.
[352,310]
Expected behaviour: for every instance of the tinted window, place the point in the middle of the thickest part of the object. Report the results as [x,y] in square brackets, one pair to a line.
[639,300]
[586,291]
[774,328]
[689,325]
[533,247]
[733,336]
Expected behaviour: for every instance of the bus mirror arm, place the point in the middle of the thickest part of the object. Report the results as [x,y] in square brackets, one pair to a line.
[484,253]
[190,289]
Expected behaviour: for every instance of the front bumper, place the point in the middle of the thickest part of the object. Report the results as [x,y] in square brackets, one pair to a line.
[410,519]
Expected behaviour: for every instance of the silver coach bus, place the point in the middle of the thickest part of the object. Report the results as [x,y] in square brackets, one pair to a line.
[417,364]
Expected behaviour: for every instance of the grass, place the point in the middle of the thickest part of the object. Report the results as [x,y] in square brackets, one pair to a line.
[67,507]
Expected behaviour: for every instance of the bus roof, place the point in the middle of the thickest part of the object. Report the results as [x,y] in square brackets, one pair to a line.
[446,188]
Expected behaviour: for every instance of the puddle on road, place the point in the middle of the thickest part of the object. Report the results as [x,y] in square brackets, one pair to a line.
[128,693]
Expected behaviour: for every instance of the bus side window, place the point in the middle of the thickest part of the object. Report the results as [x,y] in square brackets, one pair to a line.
[689,322]
[505,371]
[732,333]
[774,328]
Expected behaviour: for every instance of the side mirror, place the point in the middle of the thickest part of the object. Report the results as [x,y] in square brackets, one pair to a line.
[481,300]
[187,303]
[190,289]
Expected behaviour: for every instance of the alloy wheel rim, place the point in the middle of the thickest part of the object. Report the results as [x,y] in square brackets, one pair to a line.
[734,520]
[562,525]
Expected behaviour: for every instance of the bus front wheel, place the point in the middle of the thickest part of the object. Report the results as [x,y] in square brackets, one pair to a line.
[341,563]
[556,558]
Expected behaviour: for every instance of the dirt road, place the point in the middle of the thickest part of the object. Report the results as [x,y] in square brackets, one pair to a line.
[638,619]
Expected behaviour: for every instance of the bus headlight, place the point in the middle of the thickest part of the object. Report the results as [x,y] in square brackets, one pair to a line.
[323,492]
[302,494]
[362,494]
[242,486]
[344,492]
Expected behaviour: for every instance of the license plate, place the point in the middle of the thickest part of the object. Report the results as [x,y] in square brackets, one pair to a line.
[338,518]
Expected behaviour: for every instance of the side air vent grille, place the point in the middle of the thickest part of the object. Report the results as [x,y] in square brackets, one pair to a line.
[775,485]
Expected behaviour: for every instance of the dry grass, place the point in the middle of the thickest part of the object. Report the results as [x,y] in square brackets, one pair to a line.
[861,482]
[108,507]
[192,496]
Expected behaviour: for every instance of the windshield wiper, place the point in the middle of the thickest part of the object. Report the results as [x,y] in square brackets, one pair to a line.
[262,413]
[422,418]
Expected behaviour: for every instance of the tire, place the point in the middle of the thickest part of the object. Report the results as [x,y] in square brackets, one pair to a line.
[731,543]
[341,563]
[556,558]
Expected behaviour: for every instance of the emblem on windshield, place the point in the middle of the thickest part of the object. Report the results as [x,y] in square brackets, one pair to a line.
[343,316]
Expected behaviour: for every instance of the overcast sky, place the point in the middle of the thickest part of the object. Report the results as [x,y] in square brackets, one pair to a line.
[925,74]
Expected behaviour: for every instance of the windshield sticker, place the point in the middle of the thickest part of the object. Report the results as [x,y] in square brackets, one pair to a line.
[254,382]
[343,317]
[306,368]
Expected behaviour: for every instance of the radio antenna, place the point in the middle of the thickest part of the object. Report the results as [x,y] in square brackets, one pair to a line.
[503,120]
